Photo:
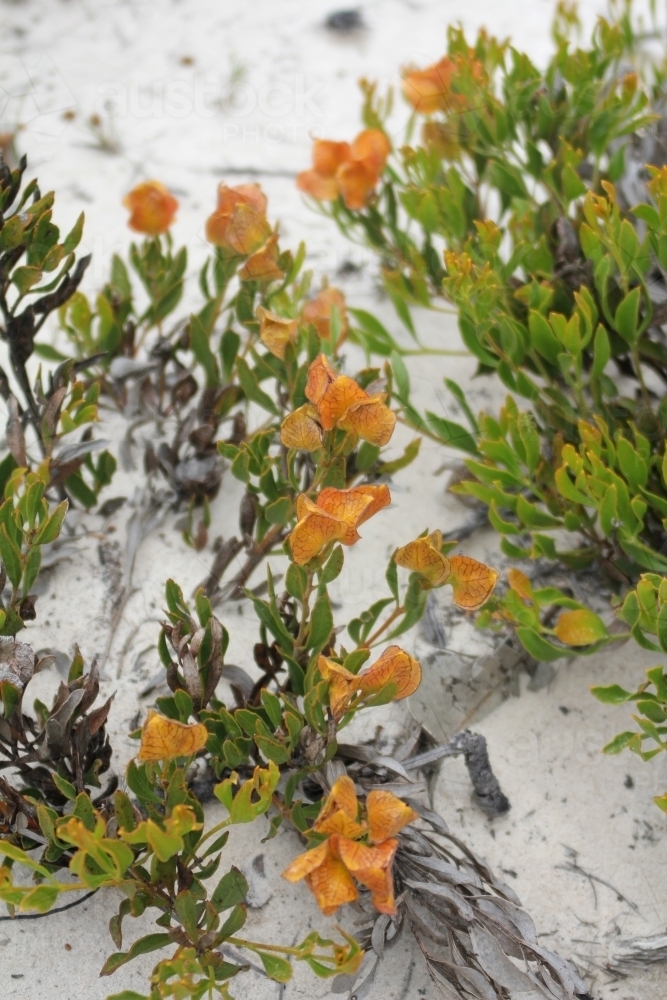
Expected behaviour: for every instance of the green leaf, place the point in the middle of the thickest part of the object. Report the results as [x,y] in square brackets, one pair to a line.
[139,783]
[201,348]
[276,968]
[25,278]
[11,557]
[279,512]
[539,648]
[250,385]
[333,566]
[401,376]
[127,995]
[73,238]
[41,898]
[619,743]
[50,528]
[321,623]
[378,340]
[601,352]
[151,942]
[296,580]
[614,694]
[543,338]
[451,433]
[231,890]
[407,458]
[627,316]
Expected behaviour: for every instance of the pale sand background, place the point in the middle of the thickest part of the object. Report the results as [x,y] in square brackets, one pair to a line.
[176,122]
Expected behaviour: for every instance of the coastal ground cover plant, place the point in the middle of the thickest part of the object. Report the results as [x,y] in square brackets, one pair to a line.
[314,475]
[524,198]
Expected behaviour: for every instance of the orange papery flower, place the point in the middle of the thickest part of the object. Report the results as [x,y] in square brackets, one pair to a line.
[349,171]
[239,224]
[335,517]
[355,183]
[428,89]
[276,332]
[248,194]
[328,156]
[263,265]
[387,815]
[370,419]
[152,208]
[341,402]
[320,377]
[329,866]
[340,813]
[354,506]
[314,530]
[423,556]
[326,876]
[301,429]
[337,397]
[472,581]
[432,89]
[318,311]
[395,667]
[371,147]
[372,867]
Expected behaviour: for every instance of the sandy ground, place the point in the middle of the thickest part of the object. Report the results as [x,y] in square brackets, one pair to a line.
[192,93]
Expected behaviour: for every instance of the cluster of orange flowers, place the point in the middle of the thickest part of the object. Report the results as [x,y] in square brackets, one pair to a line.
[349,171]
[433,89]
[472,581]
[336,401]
[357,847]
[395,667]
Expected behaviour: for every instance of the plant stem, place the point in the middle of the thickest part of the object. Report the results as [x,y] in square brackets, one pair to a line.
[396,613]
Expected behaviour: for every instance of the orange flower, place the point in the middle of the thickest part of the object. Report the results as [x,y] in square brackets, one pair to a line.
[472,581]
[341,402]
[395,667]
[335,517]
[239,226]
[370,419]
[319,310]
[340,813]
[320,377]
[328,868]
[276,332]
[349,171]
[423,556]
[301,429]
[263,265]
[152,208]
[433,89]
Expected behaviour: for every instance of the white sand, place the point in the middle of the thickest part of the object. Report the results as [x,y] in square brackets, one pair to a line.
[177,122]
